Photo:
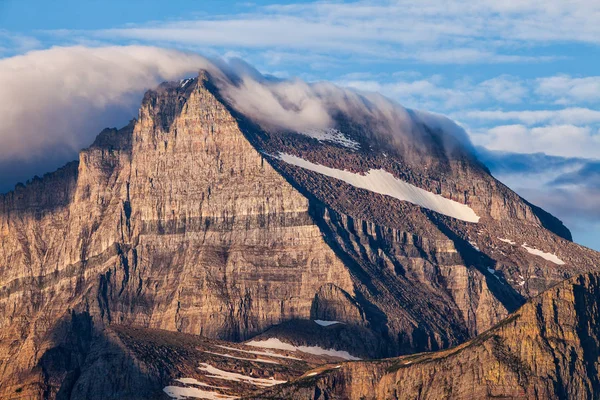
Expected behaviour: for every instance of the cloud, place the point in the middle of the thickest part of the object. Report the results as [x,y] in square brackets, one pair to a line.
[431,93]
[12,43]
[576,115]
[560,140]
[565,89]
[587,176]
[459,55]
[508,163]
[57,100]
[62,97]
[295,105]
[504,89]
[569,188]
[433,31]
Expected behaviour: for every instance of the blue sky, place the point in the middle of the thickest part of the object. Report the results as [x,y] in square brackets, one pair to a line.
[520,76]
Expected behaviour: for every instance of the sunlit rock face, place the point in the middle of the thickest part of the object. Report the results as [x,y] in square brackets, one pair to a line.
[190,220]
[548,349]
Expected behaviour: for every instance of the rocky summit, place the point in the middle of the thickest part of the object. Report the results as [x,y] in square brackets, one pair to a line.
[200,253]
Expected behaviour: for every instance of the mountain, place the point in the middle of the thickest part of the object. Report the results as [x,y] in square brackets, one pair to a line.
[548,349]
[198,218]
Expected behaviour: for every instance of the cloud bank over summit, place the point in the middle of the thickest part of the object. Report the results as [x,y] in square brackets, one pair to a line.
[63,96]
[295,105]
[59,99]
[56,101]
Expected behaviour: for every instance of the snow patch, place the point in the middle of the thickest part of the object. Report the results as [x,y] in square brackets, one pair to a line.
[382,182]
[474,245]
[178,392]
[326,323]
[192,381]
[507,241]
[546,256]
[331,135]
[232,376]
[261,360]
[274,343]
[260,353]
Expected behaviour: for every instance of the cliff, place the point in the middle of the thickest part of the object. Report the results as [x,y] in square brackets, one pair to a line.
[548,349]
[192,219]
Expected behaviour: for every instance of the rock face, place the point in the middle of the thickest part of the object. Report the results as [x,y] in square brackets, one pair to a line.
[549,349]
[188,220]
[425,281]
[173,222]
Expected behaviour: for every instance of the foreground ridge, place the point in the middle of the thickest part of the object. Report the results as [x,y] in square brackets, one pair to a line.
[548,349]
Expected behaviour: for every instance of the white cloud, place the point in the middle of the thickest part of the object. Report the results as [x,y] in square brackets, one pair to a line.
[574,116]
[431,93]
[61,98]
[565,89]
[559,140]
[505,89]
[16,43]
[471,56]
[432,31]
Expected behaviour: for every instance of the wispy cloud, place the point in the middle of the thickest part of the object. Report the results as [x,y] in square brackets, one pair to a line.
[79,90]
[435,93]
[574,115]
[565,89]
[431,31]
[14,43]
[559,140]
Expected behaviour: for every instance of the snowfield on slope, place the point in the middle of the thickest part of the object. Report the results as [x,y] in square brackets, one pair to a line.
[507,241]
[261,360]
[547,256]
[232,376]
[180,393]
[274,343]
[382,182]
[260,353]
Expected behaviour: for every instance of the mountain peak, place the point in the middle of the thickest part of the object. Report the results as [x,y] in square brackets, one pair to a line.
[201,218]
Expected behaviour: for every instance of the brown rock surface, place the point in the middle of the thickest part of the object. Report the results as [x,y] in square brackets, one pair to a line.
[175,222]
[181,221]
[548,349]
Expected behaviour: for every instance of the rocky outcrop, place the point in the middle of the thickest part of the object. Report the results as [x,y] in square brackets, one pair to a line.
[548,349]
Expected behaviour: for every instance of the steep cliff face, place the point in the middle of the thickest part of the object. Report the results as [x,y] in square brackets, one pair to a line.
[173,222]
[194,219]
[548,349]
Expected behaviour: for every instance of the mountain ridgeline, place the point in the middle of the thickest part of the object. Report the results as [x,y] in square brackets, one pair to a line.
[195,219]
